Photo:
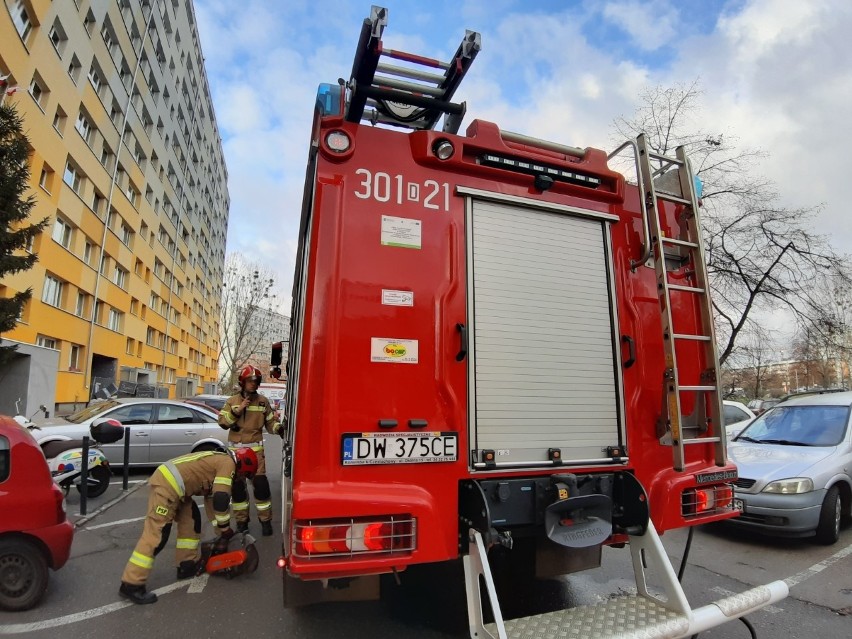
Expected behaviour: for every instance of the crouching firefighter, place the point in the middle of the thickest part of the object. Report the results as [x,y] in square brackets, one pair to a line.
[245,415]
[172,486]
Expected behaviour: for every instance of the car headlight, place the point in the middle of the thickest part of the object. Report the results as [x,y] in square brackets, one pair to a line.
[793,486]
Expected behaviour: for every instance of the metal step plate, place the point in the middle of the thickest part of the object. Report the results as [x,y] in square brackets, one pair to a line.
[632,617]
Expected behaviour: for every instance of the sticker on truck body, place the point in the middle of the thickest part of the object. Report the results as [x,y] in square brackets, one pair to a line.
[394,351]
[401,232]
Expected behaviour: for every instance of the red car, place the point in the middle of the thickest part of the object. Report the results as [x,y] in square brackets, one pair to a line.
[35,533]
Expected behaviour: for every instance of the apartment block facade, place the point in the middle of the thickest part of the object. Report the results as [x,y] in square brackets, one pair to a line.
[128,169]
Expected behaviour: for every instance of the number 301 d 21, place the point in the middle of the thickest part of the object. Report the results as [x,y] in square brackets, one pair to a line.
[382,187]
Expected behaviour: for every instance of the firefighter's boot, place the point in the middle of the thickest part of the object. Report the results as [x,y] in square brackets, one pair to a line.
[187,569]
[137,593]
[266,528]
[242,526]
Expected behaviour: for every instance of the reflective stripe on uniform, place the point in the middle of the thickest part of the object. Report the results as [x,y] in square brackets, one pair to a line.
[170,472]
[224,518]
[192,456]
[255,409]
[263,505]
[187,543]
[143,561]
[240,505]
[228,416]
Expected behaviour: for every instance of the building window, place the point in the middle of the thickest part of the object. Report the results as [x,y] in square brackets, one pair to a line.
[74,68]
[47,342]
[132,195]
[57,37]
[52,291]
[74,359]
[95,79]
[72,178]
[84,127]
[21,19]
[80,309]
[104,264]
[45,180]
[62,232]
[87,253]
[120,277]
[59,121]
[134,306]
[38,91]
[126,234]
[115,318]
[98,202]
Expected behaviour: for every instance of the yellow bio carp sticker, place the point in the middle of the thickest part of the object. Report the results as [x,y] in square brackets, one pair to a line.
[161,510]
[391,350]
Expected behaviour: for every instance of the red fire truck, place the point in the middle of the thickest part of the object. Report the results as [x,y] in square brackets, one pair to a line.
[498,346]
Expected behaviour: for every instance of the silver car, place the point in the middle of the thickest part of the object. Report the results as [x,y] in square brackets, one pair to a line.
[794,465]
[160,429]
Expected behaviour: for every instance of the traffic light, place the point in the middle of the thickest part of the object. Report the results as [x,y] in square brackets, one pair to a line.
[277,354]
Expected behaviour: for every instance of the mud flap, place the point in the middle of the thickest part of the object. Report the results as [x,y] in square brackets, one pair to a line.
[298,592]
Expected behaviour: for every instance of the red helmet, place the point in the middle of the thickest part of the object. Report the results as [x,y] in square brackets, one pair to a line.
[246,461]
[250,372]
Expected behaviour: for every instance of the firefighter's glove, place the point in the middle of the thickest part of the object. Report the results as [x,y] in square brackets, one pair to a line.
[221,544]
[281,432]
[235,428]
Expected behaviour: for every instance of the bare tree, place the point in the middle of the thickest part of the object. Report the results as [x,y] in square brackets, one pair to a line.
[761,256]
[248,302]
[825,343]
[752,365]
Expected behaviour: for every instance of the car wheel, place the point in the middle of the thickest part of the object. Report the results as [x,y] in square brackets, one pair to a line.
[99,477]
[23,574]
[828,529]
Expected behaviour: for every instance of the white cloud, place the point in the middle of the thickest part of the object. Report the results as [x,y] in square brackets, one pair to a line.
[649,24]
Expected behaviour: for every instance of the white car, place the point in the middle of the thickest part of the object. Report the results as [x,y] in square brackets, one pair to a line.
[160,429]
[735,417]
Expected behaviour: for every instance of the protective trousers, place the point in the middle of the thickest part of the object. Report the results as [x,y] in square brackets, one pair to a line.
[164,507]
[262,494]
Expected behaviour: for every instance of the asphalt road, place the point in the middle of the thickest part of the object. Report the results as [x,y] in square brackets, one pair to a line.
[82,600]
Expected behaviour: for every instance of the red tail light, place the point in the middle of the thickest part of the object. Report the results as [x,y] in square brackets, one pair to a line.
[59,496]
[708,500]
[328,538]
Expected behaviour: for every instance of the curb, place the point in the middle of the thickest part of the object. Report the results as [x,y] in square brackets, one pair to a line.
[124,494]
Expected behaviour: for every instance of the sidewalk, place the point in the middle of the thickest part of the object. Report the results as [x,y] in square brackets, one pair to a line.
[113,495]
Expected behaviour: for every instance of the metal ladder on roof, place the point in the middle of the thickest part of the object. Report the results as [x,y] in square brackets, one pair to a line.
[670,179]
[378,95]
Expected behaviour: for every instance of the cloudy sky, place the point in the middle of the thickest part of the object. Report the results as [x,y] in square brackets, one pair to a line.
[776,74]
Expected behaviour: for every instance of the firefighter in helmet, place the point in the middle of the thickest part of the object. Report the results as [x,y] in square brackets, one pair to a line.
[245,415]
[172,486]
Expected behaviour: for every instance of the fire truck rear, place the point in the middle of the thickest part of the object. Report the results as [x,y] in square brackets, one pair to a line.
[498,346]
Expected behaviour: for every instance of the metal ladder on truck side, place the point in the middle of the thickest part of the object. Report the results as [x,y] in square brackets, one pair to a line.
[378,95]
[672,181]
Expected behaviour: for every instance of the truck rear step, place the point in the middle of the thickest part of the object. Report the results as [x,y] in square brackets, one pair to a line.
[637,616]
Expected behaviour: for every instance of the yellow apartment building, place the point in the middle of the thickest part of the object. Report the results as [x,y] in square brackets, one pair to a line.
[127,167]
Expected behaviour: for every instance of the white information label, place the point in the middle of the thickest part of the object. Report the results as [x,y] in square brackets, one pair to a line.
[400,231]
[397,298]
[398,351]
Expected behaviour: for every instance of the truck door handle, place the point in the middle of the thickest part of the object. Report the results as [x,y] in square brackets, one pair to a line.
[631,349]
[462,329]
